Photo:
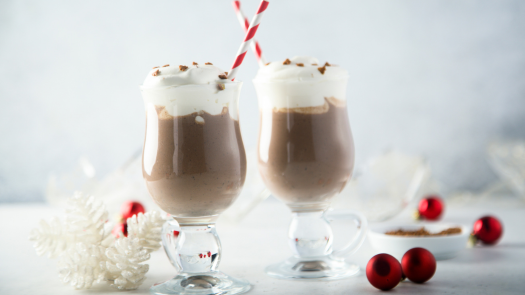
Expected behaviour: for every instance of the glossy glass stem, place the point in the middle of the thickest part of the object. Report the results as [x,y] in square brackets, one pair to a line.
[310,234]
[193,248]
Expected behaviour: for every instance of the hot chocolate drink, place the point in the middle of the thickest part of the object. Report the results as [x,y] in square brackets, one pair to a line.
[200,163]
[194,166]
[306,156]
[194,161]
[309,161]
[306,151]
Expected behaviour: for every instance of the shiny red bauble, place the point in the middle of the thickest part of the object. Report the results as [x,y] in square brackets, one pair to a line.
[431,207]
[418,264]
[488,230]
[383,271]
[120,228]
[131,208]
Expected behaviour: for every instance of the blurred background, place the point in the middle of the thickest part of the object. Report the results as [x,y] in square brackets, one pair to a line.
[440,79]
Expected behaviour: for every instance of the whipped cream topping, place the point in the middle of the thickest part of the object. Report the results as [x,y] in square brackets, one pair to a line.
[309,71]
[174,76]
[299,82]
[184,90]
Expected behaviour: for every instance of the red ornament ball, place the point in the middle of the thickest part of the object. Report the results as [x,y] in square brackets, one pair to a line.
[488,230]
[131,208]
[383,271]
[419,265]
[431,207]
[120,228]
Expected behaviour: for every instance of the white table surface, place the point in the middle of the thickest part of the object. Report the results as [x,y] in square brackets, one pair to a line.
[260,240]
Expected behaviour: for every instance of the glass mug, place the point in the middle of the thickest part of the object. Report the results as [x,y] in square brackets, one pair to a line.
[305,157]
[194,166]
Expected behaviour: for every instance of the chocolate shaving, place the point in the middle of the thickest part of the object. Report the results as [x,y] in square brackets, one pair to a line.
[165,65]
[287,62]
[208,63]
[156,72]
[299,64]
[223,76]
[322,69]
[422,232]
[195,64]
[221,86]
[155,67]
[183,68]
[327,64]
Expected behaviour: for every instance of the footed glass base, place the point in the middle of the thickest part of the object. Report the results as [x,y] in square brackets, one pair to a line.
[208,283]
[317,268]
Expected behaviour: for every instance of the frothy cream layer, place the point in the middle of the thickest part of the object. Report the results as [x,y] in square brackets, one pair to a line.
[299,82]
[183,90]
[178,75]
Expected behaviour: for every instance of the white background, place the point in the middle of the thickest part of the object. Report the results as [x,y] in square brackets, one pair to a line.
[437,78]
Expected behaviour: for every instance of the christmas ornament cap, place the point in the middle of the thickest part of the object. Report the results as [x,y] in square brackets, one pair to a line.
[120,229]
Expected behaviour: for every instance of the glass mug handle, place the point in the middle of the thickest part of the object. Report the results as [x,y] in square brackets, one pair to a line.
[362,226]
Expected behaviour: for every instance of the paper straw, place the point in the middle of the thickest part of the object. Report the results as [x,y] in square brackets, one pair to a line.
[245,24]
[254,25]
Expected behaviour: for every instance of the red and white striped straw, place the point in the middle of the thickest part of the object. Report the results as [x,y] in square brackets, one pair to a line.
[245,24]
[254,25]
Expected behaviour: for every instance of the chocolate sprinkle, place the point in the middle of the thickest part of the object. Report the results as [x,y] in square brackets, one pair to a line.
[322,69]
[287,62]
[208,63]
[299,64]
[183,68]
[165,65]
[156,72]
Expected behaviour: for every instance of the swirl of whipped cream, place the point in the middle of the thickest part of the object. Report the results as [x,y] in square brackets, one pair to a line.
[298,83]
[183,90]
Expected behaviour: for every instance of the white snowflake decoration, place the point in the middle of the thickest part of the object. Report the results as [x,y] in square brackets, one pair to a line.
[123,263]
[82,265]
[147,227]
[85,218]
[50,237]
[88,253]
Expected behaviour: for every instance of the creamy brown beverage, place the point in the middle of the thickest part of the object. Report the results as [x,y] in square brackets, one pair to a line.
[194,167]
[188,180]
[194,162]
[306,150]
[311,161]
[306,156]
